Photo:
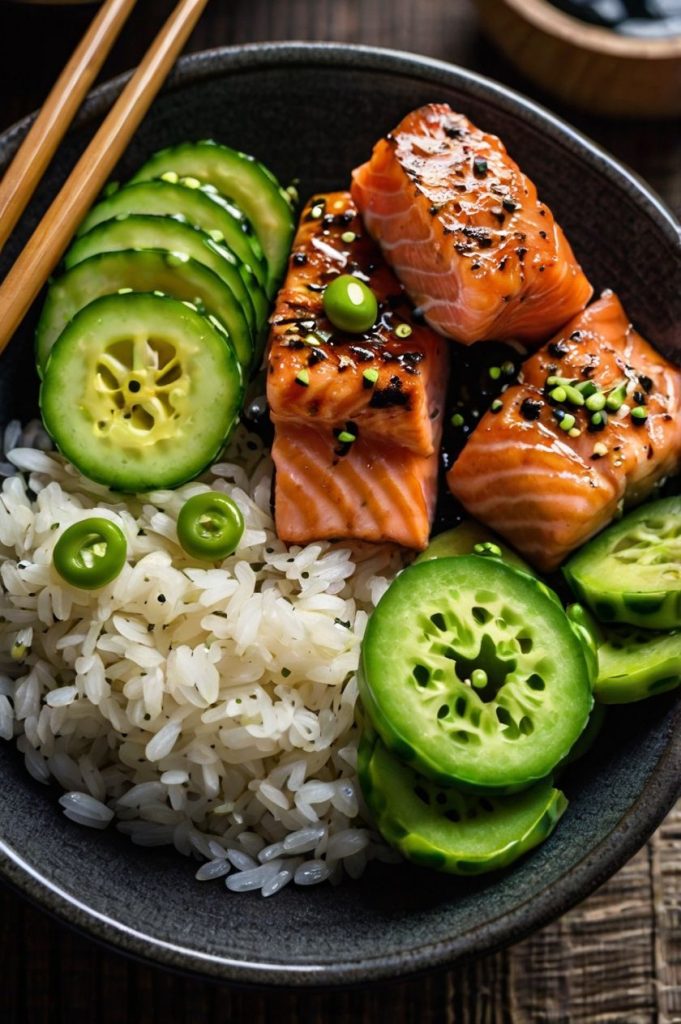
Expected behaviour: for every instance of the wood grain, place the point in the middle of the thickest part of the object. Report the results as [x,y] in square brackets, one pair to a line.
[616,959]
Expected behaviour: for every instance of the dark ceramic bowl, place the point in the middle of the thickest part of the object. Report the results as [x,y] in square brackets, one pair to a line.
[313,112]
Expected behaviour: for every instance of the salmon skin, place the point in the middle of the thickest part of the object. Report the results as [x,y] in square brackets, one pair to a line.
[547,492]
[372,492]
[357,418]
[462,227]
[391,388]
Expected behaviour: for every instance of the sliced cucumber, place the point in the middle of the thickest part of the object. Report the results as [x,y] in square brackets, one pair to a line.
[202,207]
[243,179]
[634,664]
[473,675]
[445,829]
[632,571]
[462,539]
[171,235]
[140,392]
[146,271]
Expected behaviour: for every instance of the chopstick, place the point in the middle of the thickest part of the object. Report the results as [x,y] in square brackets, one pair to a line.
[49,240]
[38,148]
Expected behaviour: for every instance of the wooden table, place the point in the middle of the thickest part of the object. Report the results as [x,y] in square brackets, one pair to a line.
[617,957]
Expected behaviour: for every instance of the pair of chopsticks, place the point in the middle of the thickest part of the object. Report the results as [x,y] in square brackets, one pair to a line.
[49,240]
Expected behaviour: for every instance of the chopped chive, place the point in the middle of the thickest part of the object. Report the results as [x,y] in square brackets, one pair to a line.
[568,421]
[558,394]
[316,212]
[599,421]
[371,376]
[303,378]
[508,368]
[595,402]
[639,413]
[348,236]
[586,388]
[494,372]
[457,420]
[403,330]
[574,397]
[552,382]
[574,432]
[345,437]
[479,167]
[496,405]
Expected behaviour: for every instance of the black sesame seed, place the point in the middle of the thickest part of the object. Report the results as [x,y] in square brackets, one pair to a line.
[558,349]
[530,409]
[299,258]
[645,382]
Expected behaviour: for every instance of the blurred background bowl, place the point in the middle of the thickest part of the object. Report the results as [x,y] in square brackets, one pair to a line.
[585,65]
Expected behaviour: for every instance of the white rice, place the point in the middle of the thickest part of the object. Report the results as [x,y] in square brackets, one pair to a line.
[207,708]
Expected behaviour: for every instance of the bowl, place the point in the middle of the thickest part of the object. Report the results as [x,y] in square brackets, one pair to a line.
[586,65]
[313,112]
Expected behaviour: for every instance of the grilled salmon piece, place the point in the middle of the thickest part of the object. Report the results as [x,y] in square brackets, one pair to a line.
[390,381]
[364,491]
[547,492]
[464,231]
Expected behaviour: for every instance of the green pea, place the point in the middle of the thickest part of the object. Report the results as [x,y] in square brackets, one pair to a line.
[350,305]
[210,526]
[91,553]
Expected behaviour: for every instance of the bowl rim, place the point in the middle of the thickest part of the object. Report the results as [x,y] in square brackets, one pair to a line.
[663,785]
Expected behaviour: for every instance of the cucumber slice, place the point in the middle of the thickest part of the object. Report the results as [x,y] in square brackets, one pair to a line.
[462,539]
[145,271]
[141,392]
[632,571]
[587,739]
[171,235]
[203,207]
[473,675]
[445,829]
[634,664]
[252,187]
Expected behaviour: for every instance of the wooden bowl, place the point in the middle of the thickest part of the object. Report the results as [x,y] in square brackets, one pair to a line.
[585,65]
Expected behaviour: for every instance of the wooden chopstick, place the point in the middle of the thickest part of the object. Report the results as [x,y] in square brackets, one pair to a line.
[38,148]
[49,240]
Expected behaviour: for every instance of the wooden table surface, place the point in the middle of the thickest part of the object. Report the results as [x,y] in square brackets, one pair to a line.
[617,957]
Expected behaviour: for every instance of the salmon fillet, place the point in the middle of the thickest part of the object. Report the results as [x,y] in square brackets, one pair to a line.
[371,491]
[391,388]
[357,418]
[548,492]
[462,227]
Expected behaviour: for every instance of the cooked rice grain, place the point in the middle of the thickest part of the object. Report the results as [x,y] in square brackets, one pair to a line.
[208,708]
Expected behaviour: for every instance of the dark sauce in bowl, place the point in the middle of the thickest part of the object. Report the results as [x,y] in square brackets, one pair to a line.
[643,19]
